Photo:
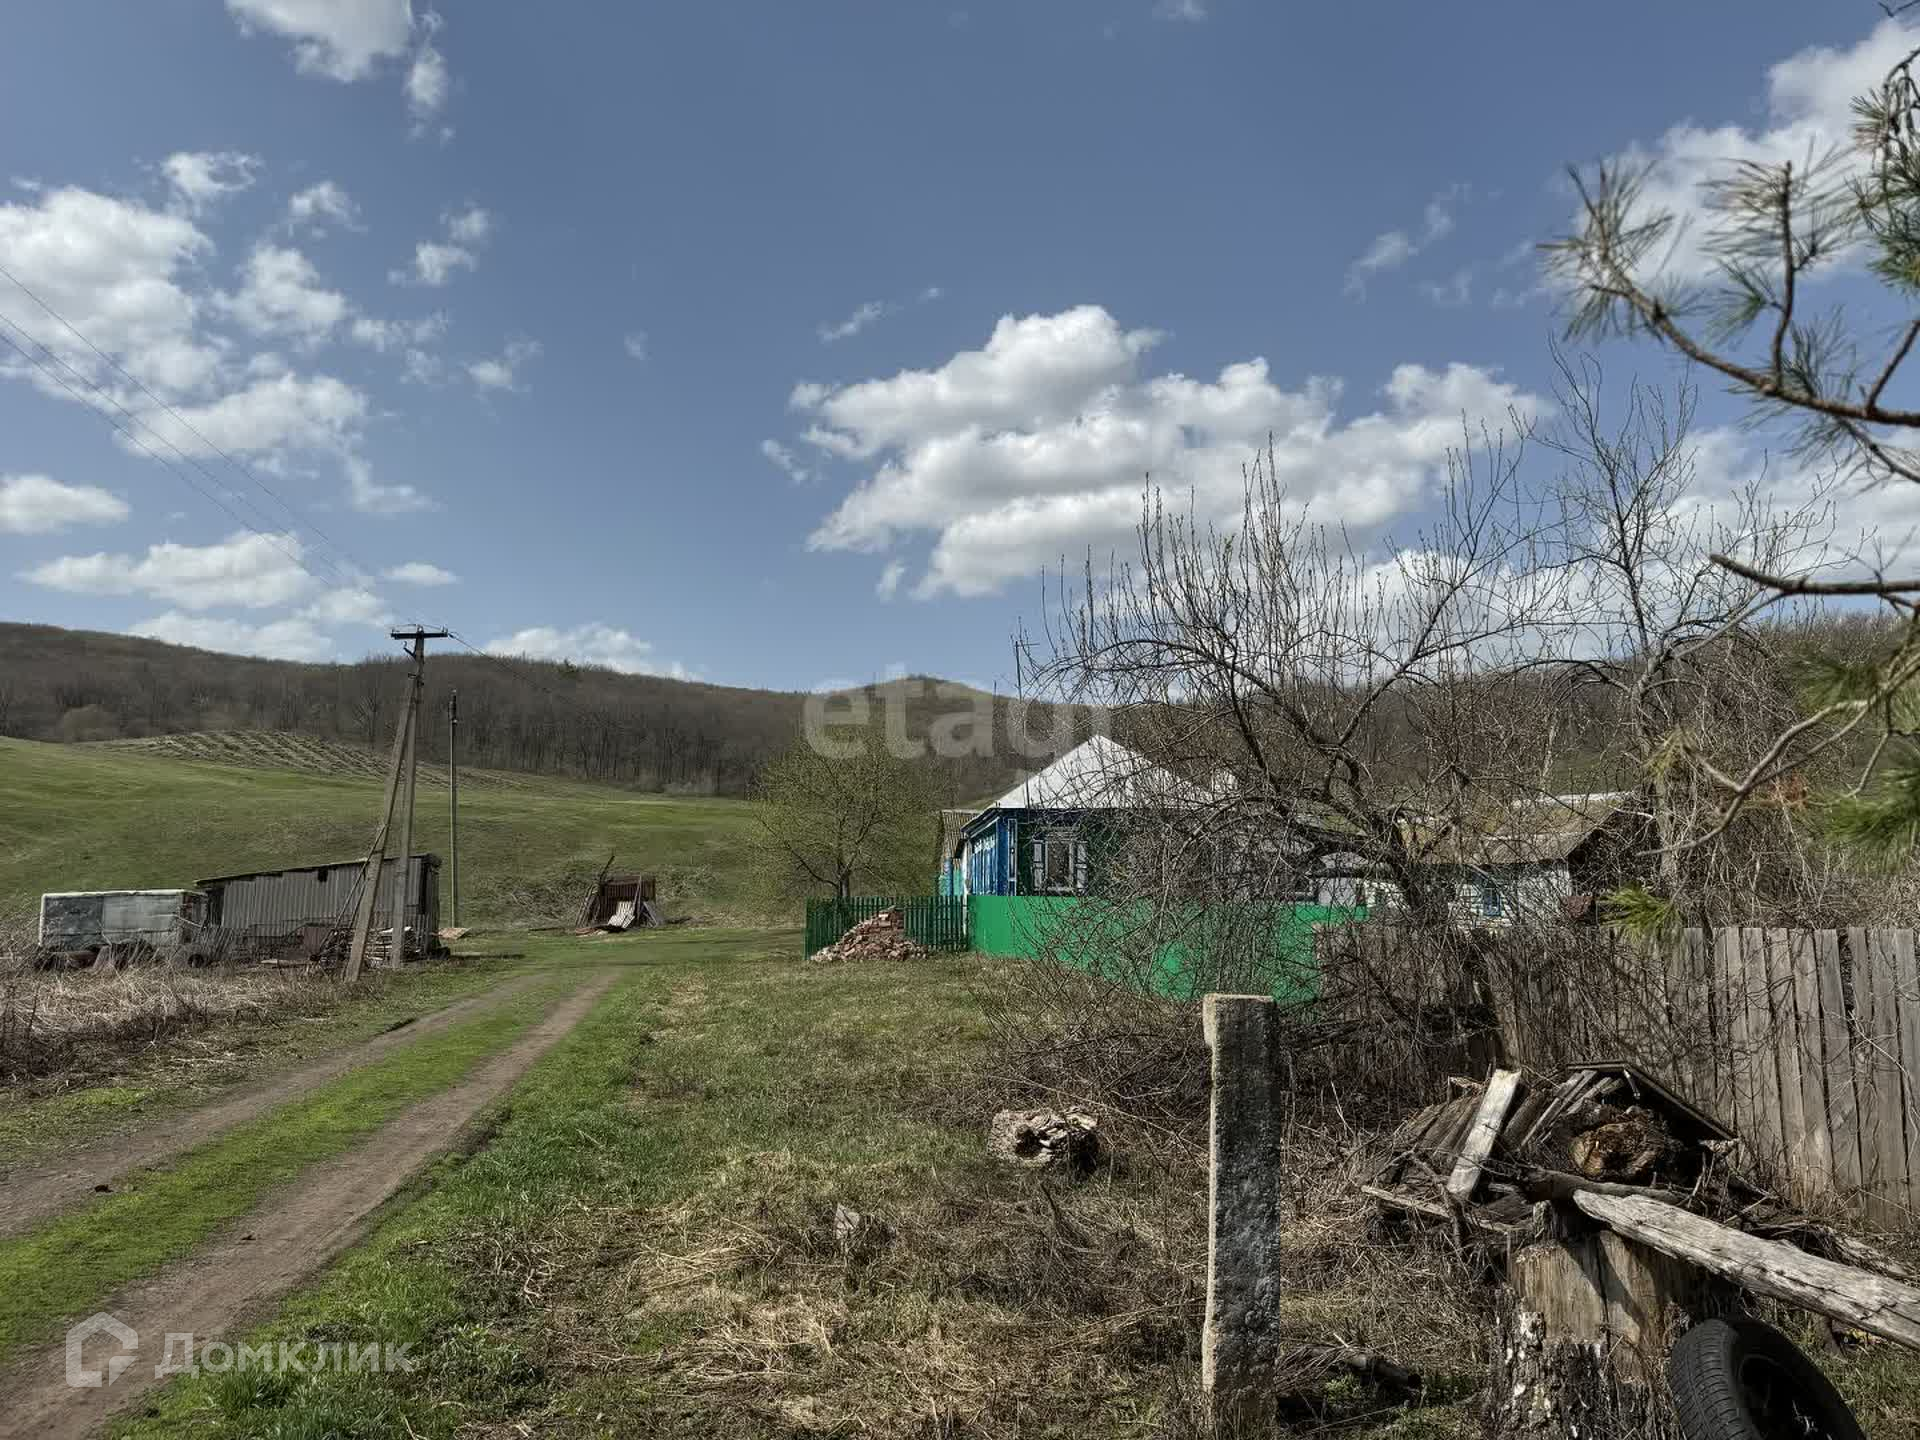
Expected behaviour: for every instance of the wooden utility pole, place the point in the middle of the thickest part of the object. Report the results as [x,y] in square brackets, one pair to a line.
[399,796]
[370,873]
[453,803]
[403,877]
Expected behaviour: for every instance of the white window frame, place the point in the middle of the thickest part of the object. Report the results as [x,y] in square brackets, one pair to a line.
[1066,839]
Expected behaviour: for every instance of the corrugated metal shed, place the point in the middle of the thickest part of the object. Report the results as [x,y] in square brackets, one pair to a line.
[279,902]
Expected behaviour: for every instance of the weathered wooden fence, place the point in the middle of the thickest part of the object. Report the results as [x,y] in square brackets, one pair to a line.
[1805,1042]
[937,922]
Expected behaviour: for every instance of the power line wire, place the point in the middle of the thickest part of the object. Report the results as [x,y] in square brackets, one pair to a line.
[154,455]
[186,424]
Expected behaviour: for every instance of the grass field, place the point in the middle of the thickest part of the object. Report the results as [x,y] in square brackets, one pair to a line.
[96,817]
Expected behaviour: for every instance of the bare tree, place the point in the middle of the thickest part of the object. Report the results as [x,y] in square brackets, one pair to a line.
[1679,647]
[1327,703]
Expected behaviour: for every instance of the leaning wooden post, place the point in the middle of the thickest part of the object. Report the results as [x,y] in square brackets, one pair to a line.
[1239,1348]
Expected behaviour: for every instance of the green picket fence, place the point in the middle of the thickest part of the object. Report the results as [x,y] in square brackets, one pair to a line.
[936,922]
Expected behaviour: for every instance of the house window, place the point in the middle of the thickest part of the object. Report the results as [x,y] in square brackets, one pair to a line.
[1492,903]
[1059,863]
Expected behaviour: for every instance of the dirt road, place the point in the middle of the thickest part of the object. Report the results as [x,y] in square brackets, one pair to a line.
[34,1192]
[284,1239]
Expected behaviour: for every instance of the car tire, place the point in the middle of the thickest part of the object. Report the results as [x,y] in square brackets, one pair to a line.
[1742,1380]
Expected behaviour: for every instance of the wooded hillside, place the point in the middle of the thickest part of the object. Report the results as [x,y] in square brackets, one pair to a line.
[644,731]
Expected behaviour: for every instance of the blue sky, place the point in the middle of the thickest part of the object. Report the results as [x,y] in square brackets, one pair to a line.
[781,343]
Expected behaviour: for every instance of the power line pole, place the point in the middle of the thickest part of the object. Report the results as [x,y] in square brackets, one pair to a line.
[370,873]
[403,876]
[453,802]
[399,783]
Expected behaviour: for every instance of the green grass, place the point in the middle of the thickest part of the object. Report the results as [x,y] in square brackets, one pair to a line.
[644,1246]
[66,1266]
[85,817]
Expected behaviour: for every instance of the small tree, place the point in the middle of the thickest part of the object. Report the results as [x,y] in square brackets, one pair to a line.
[840,818]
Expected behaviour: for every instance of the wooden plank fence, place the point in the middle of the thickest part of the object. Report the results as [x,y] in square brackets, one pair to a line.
[1804,1042]
[936,922]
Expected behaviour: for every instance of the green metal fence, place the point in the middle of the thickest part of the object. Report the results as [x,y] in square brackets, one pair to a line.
[937,922]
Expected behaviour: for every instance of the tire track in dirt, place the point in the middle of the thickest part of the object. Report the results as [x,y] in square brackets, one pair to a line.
[30,1194]
[288,1236]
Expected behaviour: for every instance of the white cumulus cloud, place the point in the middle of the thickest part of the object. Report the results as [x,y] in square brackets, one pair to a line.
[269,414]
[290,639]
[281,294]
[501,372]
[428,84]
[471,226]
[1391,249]
[419,572]
[435,262]
[120,273]
[247,569]
[371,497]
[1036,447]
[1809,98]
[341,39]
[595,643]
[319,205]
[783,457]
[40,505]
[348,606]
[200,178]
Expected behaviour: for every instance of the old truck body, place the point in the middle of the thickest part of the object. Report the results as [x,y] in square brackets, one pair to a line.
[99,919]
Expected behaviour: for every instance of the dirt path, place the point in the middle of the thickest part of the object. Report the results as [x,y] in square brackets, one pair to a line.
[32,1193]
[286,1238]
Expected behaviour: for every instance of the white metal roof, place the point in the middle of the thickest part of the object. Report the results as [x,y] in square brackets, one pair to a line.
[1101,774]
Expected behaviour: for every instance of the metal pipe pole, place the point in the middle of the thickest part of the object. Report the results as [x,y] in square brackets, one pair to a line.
[453,802]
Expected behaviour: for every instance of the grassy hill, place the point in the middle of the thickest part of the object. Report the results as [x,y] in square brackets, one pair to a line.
[75,817]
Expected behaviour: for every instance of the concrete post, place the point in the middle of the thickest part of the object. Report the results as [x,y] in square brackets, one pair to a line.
[1240,1344]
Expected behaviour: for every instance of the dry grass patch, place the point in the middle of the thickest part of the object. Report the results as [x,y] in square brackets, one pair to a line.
[71,1026]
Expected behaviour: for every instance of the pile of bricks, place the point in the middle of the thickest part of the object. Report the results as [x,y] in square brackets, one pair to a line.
[884,937]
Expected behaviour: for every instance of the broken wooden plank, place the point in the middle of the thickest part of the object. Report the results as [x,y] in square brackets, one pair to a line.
[1495,1101]
[1876,1304]
[1767,1135]
[1566,1096]
[1434,1210]
[1843,1104]
[1785,1049]
[1815,1160]
[1882,1143]
[1906,993]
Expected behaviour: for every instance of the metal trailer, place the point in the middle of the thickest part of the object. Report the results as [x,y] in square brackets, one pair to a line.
[273,912]
[96,920]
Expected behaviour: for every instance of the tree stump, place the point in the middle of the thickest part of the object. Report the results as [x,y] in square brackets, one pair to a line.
[1581,1345]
